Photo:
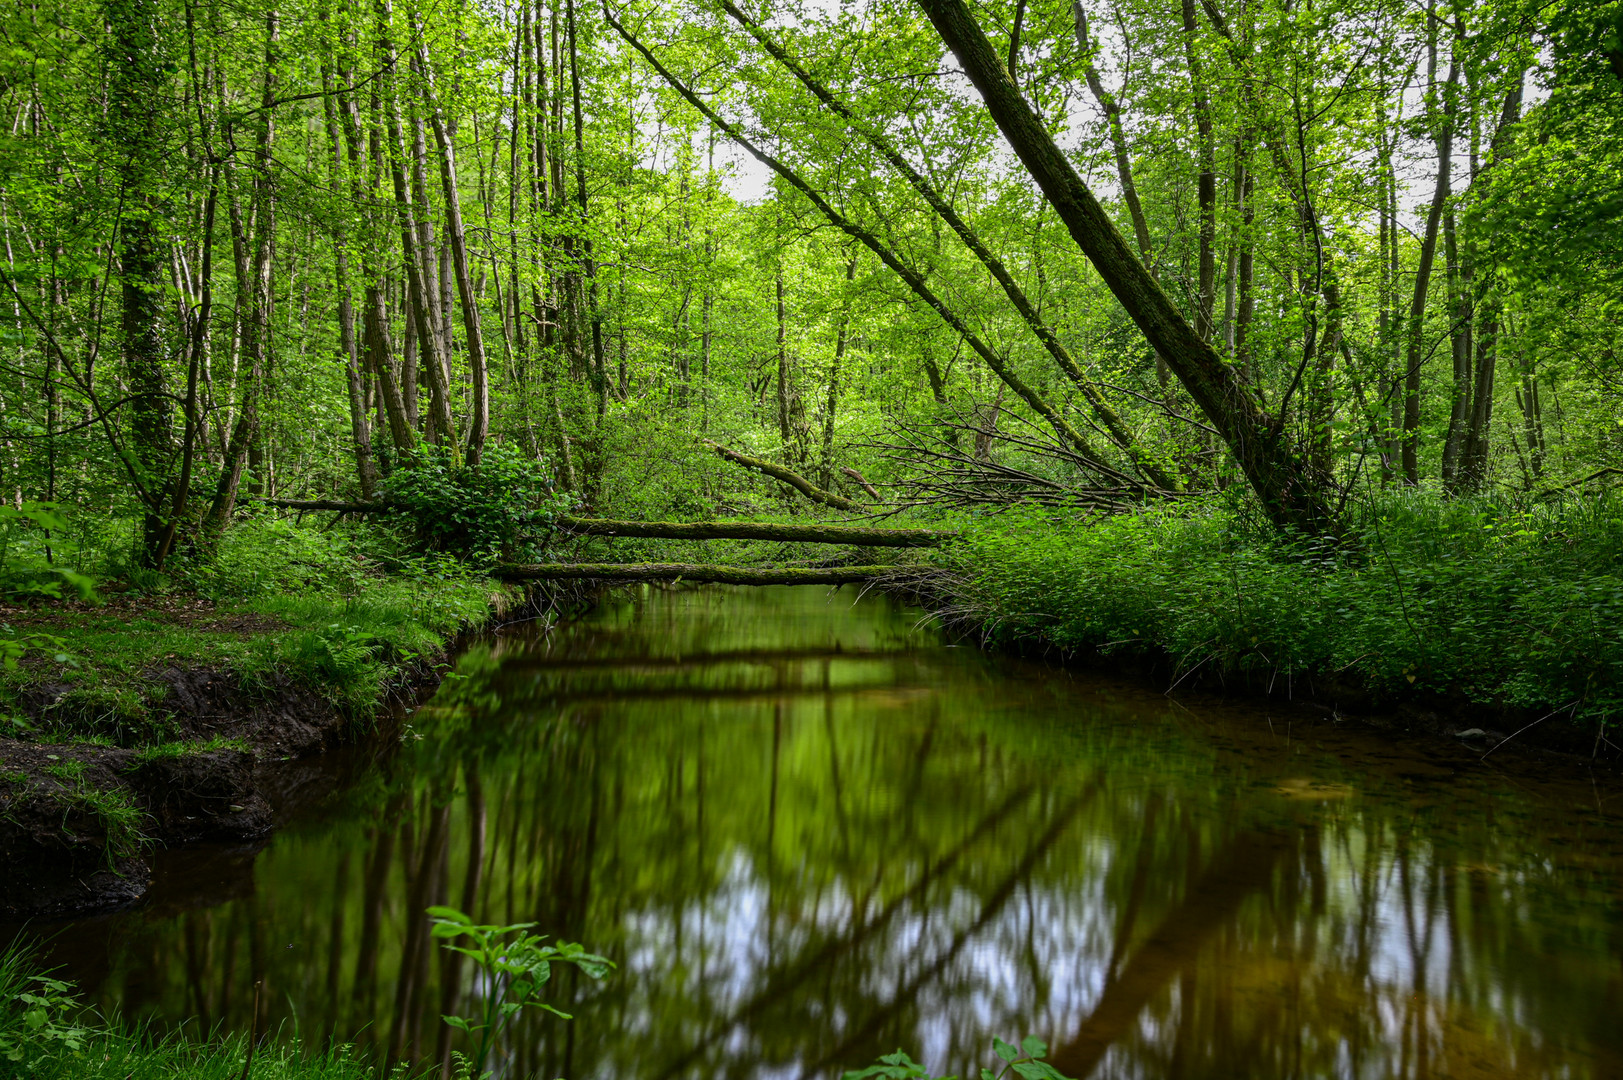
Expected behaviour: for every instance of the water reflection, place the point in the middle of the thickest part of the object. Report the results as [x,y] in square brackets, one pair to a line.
[810,834]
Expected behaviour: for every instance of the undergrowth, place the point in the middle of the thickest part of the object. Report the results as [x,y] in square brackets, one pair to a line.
[345,613]
[1505,605]
[46,1033]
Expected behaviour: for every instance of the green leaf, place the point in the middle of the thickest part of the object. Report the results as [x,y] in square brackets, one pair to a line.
[1034,1047]
[1005,1051]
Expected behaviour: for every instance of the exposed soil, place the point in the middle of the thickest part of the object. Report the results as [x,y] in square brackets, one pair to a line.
[56,857]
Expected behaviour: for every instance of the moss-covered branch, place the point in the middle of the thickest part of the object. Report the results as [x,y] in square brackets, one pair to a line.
[752,530]
[694,572]
[793,479]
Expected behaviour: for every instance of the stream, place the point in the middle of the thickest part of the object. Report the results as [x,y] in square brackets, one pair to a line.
[809,830]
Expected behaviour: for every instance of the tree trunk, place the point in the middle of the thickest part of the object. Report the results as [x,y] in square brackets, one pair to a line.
[259,295]
[1206,183]
[749,530]
[600,373]
[479,426]
[787,476]
[135,82]
[1413,359]
[349,351]
[834,371]
[423,301]
[1290,496]
[697,573]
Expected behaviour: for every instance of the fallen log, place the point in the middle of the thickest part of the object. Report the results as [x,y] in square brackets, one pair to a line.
[328,504]
[696,572]
[752,530]
[778,472]
[682,530]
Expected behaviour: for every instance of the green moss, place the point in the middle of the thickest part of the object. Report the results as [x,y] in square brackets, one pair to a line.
[317,610]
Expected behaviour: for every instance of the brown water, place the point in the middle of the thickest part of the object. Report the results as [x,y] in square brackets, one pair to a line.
[810,832]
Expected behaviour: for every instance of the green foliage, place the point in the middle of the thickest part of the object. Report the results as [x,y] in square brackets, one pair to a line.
[477,512]
[273,556]
[1024,1061]
[517,966]
[122,822]
[26,569]
[37,1013]
[1518,606]
[170,751]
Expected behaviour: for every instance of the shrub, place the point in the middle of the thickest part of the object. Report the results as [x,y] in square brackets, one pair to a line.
[478,512]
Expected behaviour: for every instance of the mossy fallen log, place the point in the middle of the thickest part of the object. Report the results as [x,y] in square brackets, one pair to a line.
[685,530]
[752,530]
[695,572]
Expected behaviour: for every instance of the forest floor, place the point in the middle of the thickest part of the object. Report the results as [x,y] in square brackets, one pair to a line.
[167,716]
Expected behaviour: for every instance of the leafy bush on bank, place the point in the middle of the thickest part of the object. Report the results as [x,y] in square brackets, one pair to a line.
[1503,605]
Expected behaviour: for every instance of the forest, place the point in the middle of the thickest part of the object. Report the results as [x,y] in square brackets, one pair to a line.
[1273,343]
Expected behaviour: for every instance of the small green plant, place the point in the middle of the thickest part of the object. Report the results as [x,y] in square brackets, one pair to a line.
[1024,1061]
[36,1011]
[26,569]
[113,712]
[13,649]
[516,964]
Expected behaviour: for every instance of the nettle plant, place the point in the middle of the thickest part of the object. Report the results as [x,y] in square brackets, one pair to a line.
[514,968]
[485,512]
[1024,1061]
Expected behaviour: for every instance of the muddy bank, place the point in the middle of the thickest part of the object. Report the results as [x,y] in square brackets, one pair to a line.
[80,819]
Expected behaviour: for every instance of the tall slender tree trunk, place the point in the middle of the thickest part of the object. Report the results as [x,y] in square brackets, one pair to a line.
[833,401]
[349,350]
[1206,183]
[600,373]
[422,298]
[258,294]
[1416,326]
[456,238]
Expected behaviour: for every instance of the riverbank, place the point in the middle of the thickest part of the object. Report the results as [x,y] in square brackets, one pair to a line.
[1443,617]
[153,713]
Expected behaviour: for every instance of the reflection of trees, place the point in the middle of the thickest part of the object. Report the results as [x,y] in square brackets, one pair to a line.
[801,857]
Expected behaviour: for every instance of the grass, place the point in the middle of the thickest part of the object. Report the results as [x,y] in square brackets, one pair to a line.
[170,751]
[123,823]
[280,605]
[1481,601]
[46,1033]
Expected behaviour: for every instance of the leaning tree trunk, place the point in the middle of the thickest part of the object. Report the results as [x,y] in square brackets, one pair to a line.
[1283,482]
